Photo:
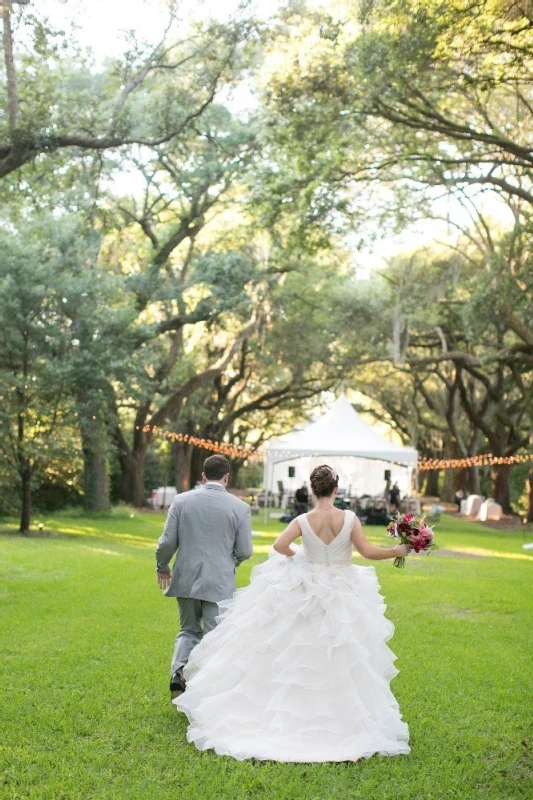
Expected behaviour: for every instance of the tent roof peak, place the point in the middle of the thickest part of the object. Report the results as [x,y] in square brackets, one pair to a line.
[340,431]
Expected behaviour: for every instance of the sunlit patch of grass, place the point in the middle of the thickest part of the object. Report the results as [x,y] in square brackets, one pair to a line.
[101,550]
[262,548]
[486,553]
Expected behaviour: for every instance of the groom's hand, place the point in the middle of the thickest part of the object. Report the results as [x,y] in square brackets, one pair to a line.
[163,579]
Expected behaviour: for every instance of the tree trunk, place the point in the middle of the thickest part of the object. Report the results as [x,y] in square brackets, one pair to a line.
[25,514]
[125,461]
[500,486]
[95,464]
[447,487]
[95,482]
[236,464]
[138,464]
[431,488]
[132,467]
[182,453]
[9,63]
[473,480]
[459,480]
[529,487]
[197,465]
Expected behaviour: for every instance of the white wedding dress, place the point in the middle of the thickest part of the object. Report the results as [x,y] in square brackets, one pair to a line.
[298,668]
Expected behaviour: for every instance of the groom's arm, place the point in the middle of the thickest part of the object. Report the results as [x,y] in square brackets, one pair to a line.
[243,547]
[168,542]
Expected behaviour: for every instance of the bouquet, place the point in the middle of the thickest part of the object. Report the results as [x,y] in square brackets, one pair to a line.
[411,530]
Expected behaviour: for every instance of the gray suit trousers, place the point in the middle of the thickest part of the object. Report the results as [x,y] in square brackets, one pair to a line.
[192,614]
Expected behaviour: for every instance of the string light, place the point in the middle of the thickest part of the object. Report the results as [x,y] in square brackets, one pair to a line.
[196,441]
[485,460]
[424,464]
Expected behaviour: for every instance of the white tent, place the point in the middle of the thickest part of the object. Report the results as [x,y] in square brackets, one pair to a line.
[339,432]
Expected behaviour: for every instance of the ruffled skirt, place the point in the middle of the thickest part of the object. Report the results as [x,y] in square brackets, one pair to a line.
[298,669]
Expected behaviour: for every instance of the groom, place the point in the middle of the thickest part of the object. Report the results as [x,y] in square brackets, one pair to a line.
[211,532]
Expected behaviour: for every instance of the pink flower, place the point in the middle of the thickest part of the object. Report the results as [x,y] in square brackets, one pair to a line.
[420,541]
[408,517]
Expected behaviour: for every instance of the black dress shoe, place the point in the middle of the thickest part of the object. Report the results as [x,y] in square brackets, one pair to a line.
[177,685]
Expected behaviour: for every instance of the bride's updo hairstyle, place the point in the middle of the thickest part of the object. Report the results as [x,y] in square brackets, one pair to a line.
[324,481]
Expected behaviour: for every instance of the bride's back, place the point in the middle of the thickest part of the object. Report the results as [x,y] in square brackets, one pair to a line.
[326,523]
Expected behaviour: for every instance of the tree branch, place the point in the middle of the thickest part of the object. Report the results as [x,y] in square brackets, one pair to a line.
[13,102]
[171,406]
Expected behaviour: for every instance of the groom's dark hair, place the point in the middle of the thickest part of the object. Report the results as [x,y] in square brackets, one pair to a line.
[215,467]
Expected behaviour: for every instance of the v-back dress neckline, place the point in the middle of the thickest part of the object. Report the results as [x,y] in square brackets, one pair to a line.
[318,537]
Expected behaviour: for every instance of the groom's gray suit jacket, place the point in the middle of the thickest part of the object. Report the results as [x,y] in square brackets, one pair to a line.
[211,531]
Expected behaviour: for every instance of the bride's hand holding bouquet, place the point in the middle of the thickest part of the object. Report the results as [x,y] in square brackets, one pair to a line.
[411,531]
[402,550]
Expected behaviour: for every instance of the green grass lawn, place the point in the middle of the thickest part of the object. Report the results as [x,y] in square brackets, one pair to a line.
[87,638]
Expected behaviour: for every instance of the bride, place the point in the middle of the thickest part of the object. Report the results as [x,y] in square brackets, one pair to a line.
[298,668]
